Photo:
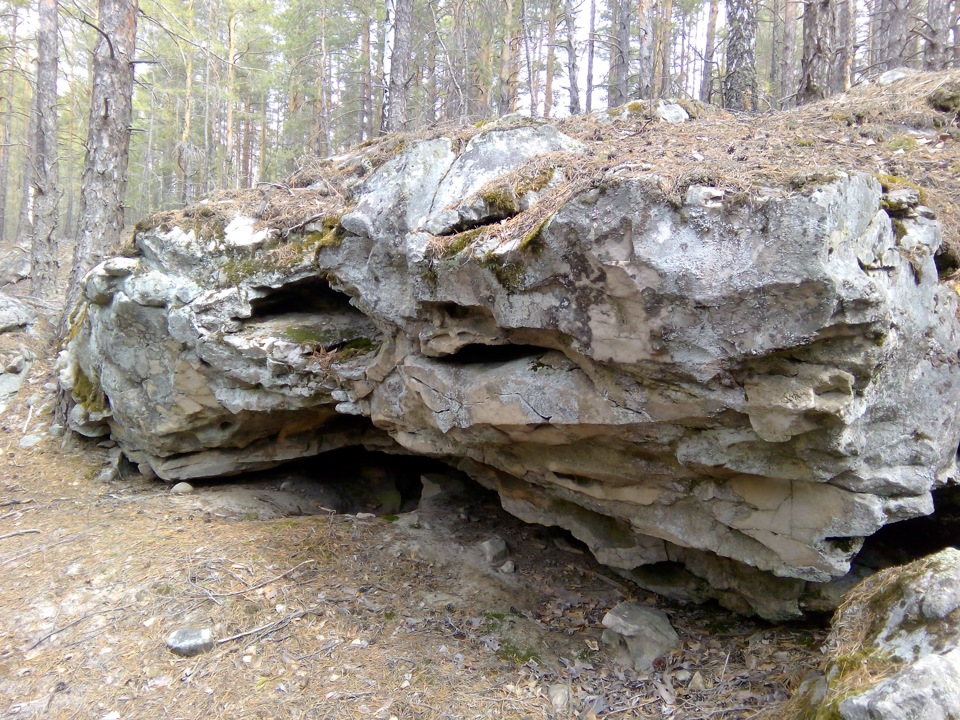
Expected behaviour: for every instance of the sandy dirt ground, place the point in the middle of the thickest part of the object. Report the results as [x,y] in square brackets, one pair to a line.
[330,615]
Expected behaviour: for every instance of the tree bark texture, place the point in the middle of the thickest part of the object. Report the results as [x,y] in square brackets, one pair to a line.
[817,63]
[569,20]
[788,51]
[645,49]
[706,81]
[45,156]
[104,179]
[591,48]
[619,55]
[399,66]
[740,80]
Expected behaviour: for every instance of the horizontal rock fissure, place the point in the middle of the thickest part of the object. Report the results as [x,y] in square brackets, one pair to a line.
[474,354]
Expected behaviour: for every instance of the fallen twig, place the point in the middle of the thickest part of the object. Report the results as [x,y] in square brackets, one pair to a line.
[41,548]
[303,224]
[269,627]
[18,532]
[264,583]
[57,631]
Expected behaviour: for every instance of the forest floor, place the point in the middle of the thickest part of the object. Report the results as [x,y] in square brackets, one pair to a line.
[327,616]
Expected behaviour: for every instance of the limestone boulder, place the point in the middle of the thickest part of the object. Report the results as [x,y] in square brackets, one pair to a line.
[720,395]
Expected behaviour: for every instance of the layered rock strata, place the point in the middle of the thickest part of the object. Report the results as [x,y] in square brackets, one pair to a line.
[720,395]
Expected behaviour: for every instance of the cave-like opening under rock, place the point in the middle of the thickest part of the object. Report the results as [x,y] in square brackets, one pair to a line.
[907,540]
[477,353]
[349,480]
[309,295]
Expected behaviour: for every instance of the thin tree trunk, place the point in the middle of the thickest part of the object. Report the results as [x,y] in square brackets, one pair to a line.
[570,22]
[619,54]
[366,83]
[246,155]
[706,81]
[788,54]
[591,50]
[645,49]
[400,66]
[776,89]
[551,59]
[844,40]
[8,123]
[262,163]
[662,68]
[184,156]
[505,94]
[108,139]
[45,156]
[231,86]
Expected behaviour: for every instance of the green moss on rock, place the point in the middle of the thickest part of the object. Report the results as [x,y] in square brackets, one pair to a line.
[510,275]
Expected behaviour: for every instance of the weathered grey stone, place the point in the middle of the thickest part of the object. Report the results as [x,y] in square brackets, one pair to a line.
[639,633]
[721,397]
[903,624]
[182,488]
[14,314]
[110,474]
[494,550]
[928,689]
[671,113]
[561,698]
[188,642]
[28,441]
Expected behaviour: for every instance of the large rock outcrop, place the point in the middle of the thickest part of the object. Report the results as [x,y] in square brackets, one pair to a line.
[721,394]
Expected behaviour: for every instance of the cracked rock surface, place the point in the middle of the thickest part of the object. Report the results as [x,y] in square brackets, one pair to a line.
[720,396]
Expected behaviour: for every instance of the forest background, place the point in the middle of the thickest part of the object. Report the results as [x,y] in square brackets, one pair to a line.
[227,94]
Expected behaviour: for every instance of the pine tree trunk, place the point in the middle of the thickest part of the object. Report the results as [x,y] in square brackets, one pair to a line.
[104,180]
[366,83]
[551,59]
[399,66]
[45,156]
[619,54]
[8,124]
[740,80]
[645,49]
[776,88]
[231,84]
[816,66]
[937,30]
[506,94]
[706,81]
[788,52]
[844,40]
[892,18]
[591,50]
[570,21]
[662,63]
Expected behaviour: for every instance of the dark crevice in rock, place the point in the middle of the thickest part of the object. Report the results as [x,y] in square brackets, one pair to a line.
[345,481]
[907,540]
[947,260]
[476,354]
[309,295]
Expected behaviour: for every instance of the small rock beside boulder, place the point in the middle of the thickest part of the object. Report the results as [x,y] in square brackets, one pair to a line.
[188,642]
[495,551]
[638,634]
[894,650]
